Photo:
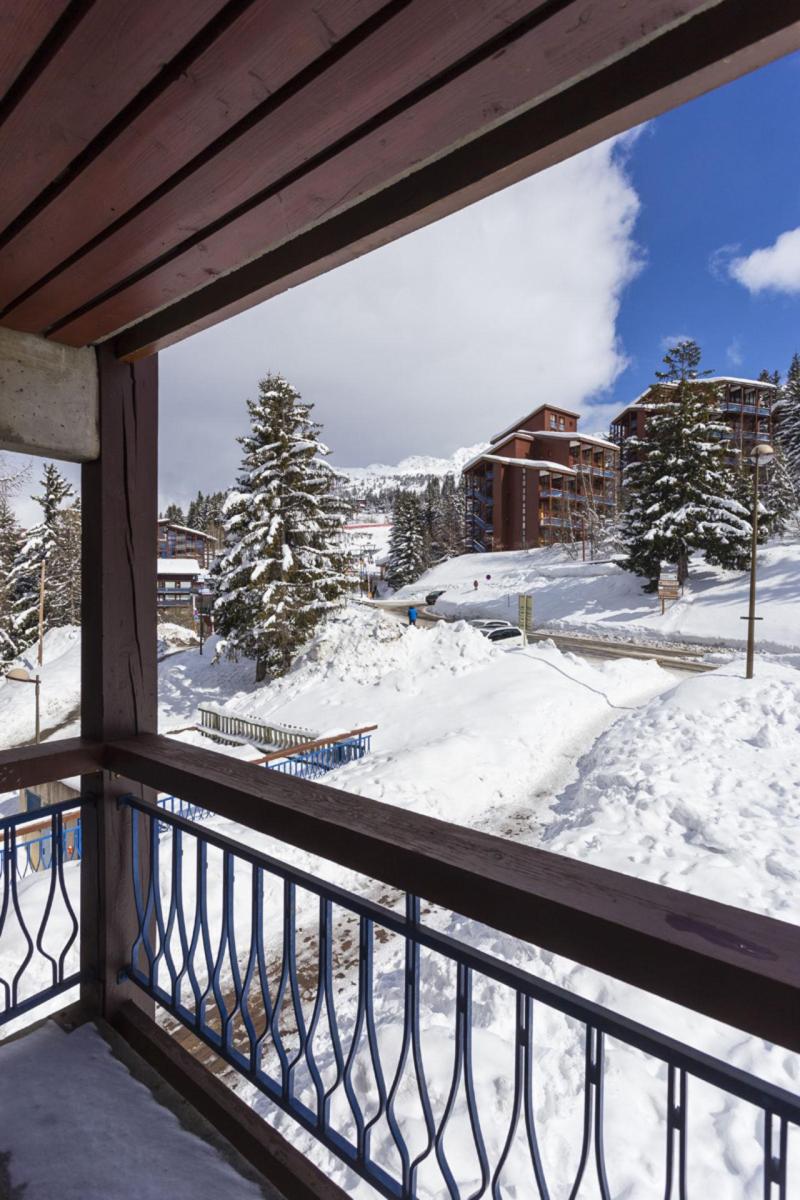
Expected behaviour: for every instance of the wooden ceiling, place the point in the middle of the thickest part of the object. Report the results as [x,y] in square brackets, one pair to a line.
[165,165]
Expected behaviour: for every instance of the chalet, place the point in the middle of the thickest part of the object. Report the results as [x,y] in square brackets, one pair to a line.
[539,482]
[744,405]
[177,541]
[177,580]
[167,166]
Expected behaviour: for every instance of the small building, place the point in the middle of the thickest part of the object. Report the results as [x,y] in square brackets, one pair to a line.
[176,584]
[539,482]
[178,541]
[745,406]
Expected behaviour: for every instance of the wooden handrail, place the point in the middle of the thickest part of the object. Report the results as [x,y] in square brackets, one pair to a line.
[303,747]
[28,765]
[735,966]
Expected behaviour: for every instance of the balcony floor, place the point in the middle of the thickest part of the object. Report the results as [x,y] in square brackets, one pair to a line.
[84,1118]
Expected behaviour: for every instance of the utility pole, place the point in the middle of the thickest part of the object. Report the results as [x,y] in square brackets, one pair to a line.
[41,617]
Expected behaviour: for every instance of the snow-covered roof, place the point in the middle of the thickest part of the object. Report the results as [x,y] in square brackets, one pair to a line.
[639,401]
[555,407]
[178,566]
[534,464]
[186,529]
[580,437]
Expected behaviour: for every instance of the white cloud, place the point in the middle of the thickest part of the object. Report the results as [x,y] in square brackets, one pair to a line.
[772,268]
[433,342]
[734,352]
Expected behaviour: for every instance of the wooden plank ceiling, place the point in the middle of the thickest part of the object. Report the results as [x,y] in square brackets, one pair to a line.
[167,165]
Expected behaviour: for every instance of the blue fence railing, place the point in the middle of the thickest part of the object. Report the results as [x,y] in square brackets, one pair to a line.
[283,975]
[34,853]
[38,929]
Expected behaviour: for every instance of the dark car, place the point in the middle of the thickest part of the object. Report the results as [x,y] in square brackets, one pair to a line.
[432,597]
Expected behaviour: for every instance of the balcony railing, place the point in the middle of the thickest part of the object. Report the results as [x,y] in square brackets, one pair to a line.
[358,1013]
[280,1019]
[38,926]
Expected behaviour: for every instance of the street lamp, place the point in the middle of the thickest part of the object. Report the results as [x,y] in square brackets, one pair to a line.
[20,675]
[761,456]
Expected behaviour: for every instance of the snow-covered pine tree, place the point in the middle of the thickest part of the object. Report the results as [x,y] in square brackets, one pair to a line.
[680,495]
[450,521]
[64,569]
[283,566]
[174,513]
[10,535]
[406,560]
[787,420]
[780,507]
[38,545]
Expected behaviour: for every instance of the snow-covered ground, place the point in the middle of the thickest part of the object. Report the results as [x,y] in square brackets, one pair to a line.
[77,1126]
[603,598]
[689,781]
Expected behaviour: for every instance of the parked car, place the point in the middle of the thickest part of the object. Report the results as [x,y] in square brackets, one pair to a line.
[432,597]
[487,623]
[507,636]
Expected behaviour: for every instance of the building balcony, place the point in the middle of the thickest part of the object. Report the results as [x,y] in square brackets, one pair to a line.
[296,1018]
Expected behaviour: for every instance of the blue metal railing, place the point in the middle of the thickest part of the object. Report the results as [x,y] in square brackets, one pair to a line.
[38,928]
[310,764]
[32,854]
[237,970]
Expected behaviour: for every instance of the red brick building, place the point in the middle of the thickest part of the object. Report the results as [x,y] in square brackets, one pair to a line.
[536,482]
[745,406]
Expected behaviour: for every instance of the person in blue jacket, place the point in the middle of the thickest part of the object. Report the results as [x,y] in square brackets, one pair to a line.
[412,615]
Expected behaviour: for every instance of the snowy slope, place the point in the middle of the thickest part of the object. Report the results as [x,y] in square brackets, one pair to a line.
[603,598]
[413,472]
[549,749]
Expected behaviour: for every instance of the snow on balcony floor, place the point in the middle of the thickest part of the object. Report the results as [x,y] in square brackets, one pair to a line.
[76,1125]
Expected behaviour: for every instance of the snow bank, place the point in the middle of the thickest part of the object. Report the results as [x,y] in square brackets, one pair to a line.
[603,598]
[712,806]
[466,730]
[60,690]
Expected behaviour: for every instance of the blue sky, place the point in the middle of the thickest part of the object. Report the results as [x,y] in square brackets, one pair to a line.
[721,172]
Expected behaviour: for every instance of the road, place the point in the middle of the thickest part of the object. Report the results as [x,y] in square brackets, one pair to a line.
[679,658]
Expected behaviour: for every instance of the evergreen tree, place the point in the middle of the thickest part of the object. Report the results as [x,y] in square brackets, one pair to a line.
[174,513]
[780,500]
[284,563]
[406,560]
[787,421]
[680,495]
[449,529]
[37,547]
[64,569]
[10,536]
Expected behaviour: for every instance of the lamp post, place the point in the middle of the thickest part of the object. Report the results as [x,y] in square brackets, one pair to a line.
[20,675]
[762,454]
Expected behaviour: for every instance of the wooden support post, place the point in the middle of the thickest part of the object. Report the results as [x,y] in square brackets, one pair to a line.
[118,657]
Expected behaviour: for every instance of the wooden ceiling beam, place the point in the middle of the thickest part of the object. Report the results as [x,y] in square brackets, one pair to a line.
[233,74]
[717,45]
[112,54]
[351,95]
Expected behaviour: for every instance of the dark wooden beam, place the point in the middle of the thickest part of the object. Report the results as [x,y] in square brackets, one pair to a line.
[102,66]
[735,966]
[294,1175]
[184,124]
[385,181]
[28,765]
[118,653]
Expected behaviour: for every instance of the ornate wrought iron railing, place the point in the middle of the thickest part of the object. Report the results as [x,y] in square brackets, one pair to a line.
[38,917]
[290,979]
[34,851]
